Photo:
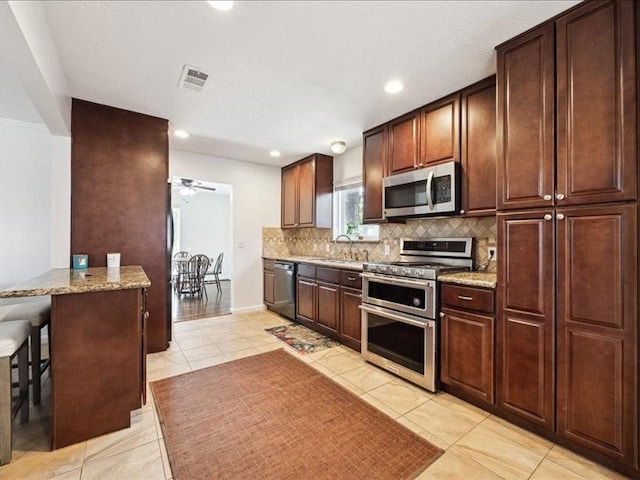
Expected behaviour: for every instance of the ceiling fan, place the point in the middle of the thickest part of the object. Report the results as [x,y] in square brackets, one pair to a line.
[189,186]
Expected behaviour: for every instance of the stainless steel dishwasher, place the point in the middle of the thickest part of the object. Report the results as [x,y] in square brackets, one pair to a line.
[284,301]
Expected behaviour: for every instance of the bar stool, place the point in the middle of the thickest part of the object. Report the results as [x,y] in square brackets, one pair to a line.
[39,314]
[13,342]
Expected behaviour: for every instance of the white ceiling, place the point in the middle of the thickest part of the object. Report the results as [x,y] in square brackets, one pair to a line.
[290,75]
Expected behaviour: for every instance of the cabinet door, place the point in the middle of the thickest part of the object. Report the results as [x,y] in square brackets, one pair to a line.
[525,329]
[596,104]
[328,306]
[290,197]
[350,326]
[467,352]
[306,193]
[268,285]
[404,143]
[440,134]
[306,299]
[597,329]
[525,120]
[479,148]
[374,160]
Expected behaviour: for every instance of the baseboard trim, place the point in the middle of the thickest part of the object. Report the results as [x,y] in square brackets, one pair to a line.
[253,308]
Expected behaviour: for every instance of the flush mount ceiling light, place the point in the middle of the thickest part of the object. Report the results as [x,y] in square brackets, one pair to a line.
[181,134]
[338,146]
[223,6]
[393,86]
[275,153]
[187,191]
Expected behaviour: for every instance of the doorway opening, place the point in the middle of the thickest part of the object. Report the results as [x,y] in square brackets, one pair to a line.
[201,213]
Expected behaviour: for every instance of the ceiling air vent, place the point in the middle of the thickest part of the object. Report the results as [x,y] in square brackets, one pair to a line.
[193,79]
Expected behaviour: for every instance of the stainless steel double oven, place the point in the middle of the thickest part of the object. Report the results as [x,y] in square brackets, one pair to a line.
[399,304]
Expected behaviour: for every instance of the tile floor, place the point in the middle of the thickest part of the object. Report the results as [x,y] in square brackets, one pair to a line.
[477,445]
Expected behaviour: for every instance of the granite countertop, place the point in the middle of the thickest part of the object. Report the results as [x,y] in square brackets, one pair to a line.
[323,262]
[63,281]
[473,279]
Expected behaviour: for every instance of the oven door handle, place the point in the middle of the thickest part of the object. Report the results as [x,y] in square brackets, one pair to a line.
[400,318]
[429,182]
[398,281]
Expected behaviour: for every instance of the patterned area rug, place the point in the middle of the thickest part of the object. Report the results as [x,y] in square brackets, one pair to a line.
[272,416]
[301,338]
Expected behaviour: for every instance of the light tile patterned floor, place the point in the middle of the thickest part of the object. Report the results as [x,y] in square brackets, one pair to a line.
[478,445]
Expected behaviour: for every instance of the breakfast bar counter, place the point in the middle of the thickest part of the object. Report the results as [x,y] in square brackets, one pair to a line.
[97,348]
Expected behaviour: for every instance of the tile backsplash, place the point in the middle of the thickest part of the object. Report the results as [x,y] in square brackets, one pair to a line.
[319,241]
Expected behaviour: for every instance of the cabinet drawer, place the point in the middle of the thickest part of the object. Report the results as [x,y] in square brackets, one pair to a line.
[267,264]
[468,298]
[330,275]
[349,278]
[306,270]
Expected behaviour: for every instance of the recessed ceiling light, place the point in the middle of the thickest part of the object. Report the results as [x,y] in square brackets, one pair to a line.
[393,86]
[274,153]
[222,5]
[338,146]
[181,134]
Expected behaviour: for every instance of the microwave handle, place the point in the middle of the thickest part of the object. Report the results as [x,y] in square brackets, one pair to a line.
[429,182]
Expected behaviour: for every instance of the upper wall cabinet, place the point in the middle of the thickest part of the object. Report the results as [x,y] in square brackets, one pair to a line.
[374,168]
[596,123]
[307,192]
[595,73]
[525,120]
[478,159]
[440,131]
[404,143]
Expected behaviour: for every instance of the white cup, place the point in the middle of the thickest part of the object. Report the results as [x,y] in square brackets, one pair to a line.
[113,260]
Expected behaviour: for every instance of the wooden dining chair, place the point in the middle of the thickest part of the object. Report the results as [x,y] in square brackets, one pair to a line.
[180,268]
[198,266]
[217,269]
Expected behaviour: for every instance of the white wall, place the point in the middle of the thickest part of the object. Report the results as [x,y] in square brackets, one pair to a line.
[348,166]
[205,226]
[25,199]
[255,204]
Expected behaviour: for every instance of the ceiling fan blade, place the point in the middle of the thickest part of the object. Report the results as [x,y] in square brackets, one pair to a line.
[204,188]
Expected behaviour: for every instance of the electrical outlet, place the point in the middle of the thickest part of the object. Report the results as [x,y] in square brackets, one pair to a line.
[327,248]
[492,252]
[315,247]
[386,250]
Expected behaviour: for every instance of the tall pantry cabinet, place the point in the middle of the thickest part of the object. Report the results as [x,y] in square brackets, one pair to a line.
[567,345]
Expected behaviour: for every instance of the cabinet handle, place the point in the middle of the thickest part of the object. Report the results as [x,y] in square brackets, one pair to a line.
[462,212]
[351,279]
[560,216]
[559,196]
[441,315]
[548,216]
[547,197]
[464,297]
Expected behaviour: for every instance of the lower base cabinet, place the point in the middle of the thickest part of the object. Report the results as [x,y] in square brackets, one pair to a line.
[328,301]
[467,340]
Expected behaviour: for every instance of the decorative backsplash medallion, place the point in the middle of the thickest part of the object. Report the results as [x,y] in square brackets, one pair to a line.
[314,241]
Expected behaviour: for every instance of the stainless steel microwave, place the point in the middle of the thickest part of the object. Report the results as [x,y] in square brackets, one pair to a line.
[426,191]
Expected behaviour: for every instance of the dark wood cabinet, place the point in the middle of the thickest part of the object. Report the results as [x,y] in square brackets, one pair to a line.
[440,131]
[307,193]
[597,328]
[306,299]
[596,95]
[478,158]
[289,197]
[328,314]
[374,168]
[467,340]
[351,323]
[268,283]
[404,143]
[119,202]
[329,301]
[525,341]
[525,122]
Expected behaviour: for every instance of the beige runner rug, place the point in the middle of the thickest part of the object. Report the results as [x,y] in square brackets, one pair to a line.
[271,416]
